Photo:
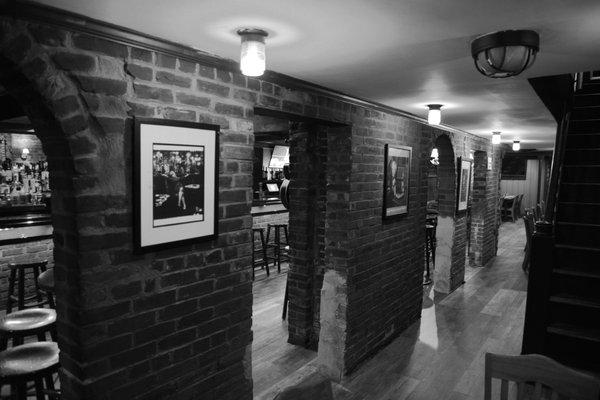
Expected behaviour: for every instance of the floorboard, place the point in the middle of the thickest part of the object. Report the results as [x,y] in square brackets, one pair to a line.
[439,357]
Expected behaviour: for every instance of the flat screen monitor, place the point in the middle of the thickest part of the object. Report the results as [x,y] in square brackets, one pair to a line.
[272,187]
[280,157]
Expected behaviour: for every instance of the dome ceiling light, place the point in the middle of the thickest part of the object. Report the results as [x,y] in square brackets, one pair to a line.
[505,53]
[516,145]
[434,117]
[252,57]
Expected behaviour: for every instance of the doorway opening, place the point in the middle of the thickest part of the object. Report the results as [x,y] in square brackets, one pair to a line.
[289,194]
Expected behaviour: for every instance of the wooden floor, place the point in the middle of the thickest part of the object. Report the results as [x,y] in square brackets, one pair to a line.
[439,357]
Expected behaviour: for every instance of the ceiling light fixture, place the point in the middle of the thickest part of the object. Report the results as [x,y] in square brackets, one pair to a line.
[434,117]
[252,56]
[496,136]
[516,145]
[505,53]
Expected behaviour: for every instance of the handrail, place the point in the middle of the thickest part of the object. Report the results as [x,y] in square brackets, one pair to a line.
[557,161]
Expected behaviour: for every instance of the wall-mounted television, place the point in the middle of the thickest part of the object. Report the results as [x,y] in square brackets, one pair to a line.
[280,157]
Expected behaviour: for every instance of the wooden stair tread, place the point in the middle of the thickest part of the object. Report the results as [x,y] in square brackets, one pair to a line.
[566,298]
[569,223]
[573,247]
[578,273]
[578,332]
[577,203]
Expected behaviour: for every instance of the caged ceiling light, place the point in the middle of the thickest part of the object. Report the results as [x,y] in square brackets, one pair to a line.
[252,56]
[496,136]
[516,145]
[505,53]
[434,116]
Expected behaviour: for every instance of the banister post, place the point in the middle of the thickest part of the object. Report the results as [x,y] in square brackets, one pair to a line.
[538,288]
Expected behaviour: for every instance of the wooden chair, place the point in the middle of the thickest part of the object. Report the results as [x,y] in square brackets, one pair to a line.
[540,375]
[529,228]
[517,209]
[509,207]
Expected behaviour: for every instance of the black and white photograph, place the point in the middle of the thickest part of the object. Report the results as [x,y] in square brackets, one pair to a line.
[396,180]
[176,184]
[464,183]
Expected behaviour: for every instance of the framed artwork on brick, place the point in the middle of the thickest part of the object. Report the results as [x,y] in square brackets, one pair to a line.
[396,178]
[463,184]
[176,167]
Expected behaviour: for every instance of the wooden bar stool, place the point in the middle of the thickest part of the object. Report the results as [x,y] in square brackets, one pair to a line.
[280,249]
[35,300]
[261,251]
[46,283]
[30,322]
[32,362]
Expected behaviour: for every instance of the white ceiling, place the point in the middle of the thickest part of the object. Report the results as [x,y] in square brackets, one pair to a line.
[403,53]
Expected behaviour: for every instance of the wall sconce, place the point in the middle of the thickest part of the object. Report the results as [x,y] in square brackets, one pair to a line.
[496,136]
[252,56]
[434,117]
[25,154]
[435,157]
[516,145]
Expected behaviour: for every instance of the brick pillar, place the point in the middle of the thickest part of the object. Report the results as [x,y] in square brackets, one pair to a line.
[306,208]
[479,208]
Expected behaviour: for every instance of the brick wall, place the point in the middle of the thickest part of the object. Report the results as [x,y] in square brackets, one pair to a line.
[178,323]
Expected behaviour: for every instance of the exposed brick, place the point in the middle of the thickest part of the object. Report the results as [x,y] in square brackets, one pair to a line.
[108,86]
[224,76]
[182,115]
[127,290]
[139,71]
[187,66]
[192,100]
[48,36]
[229,109]
[153,93]
[212,88]
[172,79]
[74,61]
[165,61]
[141,55]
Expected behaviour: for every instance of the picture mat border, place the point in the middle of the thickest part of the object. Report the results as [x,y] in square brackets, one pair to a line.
[138,122]
[459,163]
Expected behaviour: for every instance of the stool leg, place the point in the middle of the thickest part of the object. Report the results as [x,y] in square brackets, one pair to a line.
[278,249]
[264,251]
[21,391]
[285,300]
[39,388]
[21,290]
[51,300]
[49,381]
[11,290]
[38,292]
[41,337]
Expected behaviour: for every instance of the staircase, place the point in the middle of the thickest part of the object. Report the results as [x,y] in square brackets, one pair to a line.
[565,288]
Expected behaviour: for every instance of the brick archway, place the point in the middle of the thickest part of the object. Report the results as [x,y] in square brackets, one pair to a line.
[61,120]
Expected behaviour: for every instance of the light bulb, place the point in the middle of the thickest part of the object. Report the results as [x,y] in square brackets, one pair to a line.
[496,137]
[516,145]
[434,117]
[252,54]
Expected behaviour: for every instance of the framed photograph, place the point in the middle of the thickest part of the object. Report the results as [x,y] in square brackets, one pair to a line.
[176,166]
[464,183]
[396,180]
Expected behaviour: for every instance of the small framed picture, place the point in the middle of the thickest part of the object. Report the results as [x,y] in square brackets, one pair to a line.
[463,184]
[175,183]
[396,180]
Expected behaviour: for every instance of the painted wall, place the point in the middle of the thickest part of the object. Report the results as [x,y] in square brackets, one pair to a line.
[527,187]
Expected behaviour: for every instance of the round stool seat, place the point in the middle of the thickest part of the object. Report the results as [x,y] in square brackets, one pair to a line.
[46,280]
[28,359]
[27,321]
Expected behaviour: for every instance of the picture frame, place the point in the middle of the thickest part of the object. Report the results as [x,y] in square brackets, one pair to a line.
[175,183]
[396,181]
[463,183]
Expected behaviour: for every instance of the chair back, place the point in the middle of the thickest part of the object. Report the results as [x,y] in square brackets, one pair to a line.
[540,375]
[529,225]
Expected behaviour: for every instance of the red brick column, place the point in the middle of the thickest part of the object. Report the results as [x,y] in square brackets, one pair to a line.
[479,208]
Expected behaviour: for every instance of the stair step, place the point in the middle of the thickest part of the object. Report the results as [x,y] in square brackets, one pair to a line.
[573,331]
[583,140]
[592,126]
[580,273]
[585,113]
[586,213]
[582,156]
[582,173]
[586,100]
[574,192]
[589,87]
[578,234]
[569,299]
